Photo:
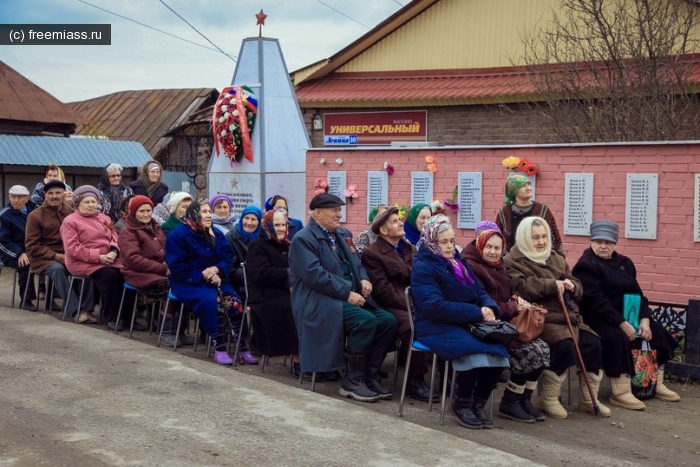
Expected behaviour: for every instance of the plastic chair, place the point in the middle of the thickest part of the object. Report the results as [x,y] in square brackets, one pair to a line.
[162,322]
[128,286]
[417,346]
[82,279]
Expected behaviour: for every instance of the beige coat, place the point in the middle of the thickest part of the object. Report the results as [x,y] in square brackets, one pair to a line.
[537,283]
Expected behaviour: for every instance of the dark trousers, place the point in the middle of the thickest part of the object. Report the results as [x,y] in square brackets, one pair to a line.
[563,353]
[110,282]
[59,275]
[477,382]
[617,348]
[23,279]
[365,329]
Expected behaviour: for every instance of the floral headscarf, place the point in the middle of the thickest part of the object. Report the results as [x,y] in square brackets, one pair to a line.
[523,240]
[429,239]
[409,226]
[193,218]
[513,185]
[268,226]
[484,237]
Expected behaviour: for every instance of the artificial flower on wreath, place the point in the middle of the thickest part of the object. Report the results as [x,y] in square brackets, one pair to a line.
[524,165]
[351,194]
[322,161]
[320,186]
[403,210]
[437,207]
[389,168]
[233,122]
[431,165]
[452,203]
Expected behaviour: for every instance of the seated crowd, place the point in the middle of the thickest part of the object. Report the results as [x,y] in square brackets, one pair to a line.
[337,306]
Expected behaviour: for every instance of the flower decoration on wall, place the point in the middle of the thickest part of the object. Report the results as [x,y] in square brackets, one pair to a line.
[351,194]
[437,207]
[320,186]
[339,161]
[452,203]
[403,210]
[233,121]
[322,161]
[389,168]
[524,165]
[431,165]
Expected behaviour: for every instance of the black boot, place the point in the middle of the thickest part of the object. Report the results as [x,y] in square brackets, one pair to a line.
[353,384]
[510,404]
[527,406]
[487,380]
[480,412]
[372,380]
[463,400]
[417,389]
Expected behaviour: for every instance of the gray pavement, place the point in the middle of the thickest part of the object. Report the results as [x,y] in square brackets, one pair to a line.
[79,396]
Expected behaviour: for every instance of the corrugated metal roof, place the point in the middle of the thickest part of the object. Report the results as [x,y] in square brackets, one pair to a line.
[77,152]
[22,100]
[143,116]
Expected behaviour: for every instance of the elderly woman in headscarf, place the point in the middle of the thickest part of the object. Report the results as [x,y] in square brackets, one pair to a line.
[124,211]
[222,217]
[610,285]
[415,220]
[177,205]
[518,206]
[199,258]
[269,293]
[447,299]
[90,243]
[527,360]
[367,237]
[112,190]
[149,184]
[540,275]
[246,231]
[280,202]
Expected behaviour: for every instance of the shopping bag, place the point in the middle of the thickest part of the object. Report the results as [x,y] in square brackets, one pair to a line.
[646,371]
[631,305]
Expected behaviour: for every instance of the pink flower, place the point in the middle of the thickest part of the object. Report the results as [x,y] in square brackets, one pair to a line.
[390,170]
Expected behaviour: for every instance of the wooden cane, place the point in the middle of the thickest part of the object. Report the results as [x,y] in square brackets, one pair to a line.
[596,409]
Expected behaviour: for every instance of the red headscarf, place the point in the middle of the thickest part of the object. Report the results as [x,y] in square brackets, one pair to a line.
[484,237]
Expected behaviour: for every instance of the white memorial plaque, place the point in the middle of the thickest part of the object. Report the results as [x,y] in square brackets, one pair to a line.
[696,216]
[421,188]
[337,184]
[641,207]
[578,204]
[533,182]
[469,193]
[377,189]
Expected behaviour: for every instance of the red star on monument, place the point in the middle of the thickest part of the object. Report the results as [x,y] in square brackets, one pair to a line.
[261,21]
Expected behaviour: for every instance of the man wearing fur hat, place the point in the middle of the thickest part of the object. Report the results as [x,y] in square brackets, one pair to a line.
[389,262]
[45,246]
[13,223]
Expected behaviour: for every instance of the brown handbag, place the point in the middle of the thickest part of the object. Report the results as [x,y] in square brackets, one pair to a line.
[530,322]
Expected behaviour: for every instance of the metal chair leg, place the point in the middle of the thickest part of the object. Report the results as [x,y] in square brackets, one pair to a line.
[444,390]
[313,381]
[14,287]
[48,301]
[133,315]
[80,299]
[405,382]
[433,371]
[162,323]
[119,313]
[66,301]
[177,330]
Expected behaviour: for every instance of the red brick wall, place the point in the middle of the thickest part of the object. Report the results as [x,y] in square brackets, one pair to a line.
[667,267]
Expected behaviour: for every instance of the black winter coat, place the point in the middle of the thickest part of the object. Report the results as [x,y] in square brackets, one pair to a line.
[140,189]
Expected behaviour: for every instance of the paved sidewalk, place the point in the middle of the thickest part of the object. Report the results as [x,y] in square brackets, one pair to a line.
[78,396]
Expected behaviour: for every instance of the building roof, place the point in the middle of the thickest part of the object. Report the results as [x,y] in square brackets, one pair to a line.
[22,100]
[143,116]
[416,88]
[76,152]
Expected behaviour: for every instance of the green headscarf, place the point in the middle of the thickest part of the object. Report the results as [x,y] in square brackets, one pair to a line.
[514,184]
[373,212]
[413,213]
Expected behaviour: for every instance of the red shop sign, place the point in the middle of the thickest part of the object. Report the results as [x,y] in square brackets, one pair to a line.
[373,128]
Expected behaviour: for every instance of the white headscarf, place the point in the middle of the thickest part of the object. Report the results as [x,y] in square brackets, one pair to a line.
[523,240]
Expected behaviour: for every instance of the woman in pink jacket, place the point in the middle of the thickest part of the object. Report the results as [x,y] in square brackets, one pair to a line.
[90,242]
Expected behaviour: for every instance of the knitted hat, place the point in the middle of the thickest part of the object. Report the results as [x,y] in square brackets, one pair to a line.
[175,199]
[216,198]
[138,201]
[82,192]
[604,230]
[485,225]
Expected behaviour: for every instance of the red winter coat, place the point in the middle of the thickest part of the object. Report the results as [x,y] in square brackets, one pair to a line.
[143,253]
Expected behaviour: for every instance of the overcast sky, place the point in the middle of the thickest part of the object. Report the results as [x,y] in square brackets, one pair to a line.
[141,58]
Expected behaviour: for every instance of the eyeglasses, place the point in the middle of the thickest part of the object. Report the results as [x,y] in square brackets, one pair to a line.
[447,242]
[114,176]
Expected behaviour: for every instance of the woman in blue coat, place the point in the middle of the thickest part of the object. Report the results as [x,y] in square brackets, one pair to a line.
[447,299]
[199,259]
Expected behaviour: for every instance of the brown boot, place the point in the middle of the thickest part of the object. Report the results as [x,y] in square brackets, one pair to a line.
[622,394]
[585,403]
[549,399]
[664,393]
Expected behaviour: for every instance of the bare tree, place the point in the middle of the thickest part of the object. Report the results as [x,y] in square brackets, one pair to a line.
[617,70]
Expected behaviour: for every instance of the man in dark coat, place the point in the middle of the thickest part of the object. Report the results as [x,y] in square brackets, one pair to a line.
[331,299]
[388,262]
[13,223]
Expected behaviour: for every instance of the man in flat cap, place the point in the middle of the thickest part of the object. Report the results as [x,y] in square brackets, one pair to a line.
[610,288]
[389,262]
[13,223]
[331,301]
[45,246]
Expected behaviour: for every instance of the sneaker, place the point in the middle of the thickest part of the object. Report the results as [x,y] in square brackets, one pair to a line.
[247,357]
[222,357]
[170,340]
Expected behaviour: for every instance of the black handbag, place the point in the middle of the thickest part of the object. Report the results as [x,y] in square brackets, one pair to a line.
[497,332]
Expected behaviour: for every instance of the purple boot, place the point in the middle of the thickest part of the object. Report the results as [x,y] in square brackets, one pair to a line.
[222,357]
[247,357]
